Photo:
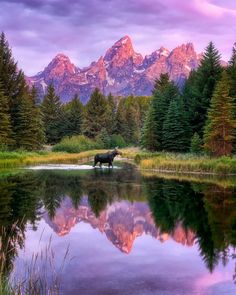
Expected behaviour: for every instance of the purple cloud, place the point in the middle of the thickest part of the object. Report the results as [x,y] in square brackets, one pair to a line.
[38,30]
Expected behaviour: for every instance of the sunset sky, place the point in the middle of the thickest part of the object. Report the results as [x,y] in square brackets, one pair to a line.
[83,29]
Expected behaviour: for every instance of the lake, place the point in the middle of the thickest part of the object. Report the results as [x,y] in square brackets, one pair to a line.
[104,231]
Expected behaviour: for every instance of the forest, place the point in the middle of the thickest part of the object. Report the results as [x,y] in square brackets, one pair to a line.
[200,118]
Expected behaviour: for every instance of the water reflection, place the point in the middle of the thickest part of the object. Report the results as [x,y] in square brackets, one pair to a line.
[121,204]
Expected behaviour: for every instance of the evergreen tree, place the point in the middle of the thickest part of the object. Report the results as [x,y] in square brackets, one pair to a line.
[196,144]
[132,120]
[103,138]
[175,127]
[5,122]
[9,75]
[189,96]
[95,114]
[202,85]
[37,126]
[29,133]
[121,122]
[74,117]
[219,133]
[52,115]
[164,92]
[149,136]
[111,115]
[13,83]
[232,73]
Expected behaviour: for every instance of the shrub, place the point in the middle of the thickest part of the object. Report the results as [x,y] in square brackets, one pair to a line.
[76,144]
[116,140]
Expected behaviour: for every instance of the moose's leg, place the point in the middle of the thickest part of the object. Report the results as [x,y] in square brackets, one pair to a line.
[109,164]
[100,165]
[95,163]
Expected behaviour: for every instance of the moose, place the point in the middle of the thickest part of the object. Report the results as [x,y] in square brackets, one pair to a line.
[106,158]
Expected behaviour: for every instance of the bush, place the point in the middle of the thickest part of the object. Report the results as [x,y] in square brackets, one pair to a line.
[116,140]
[76,144]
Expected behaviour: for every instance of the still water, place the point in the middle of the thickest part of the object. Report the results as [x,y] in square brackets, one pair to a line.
[119,232]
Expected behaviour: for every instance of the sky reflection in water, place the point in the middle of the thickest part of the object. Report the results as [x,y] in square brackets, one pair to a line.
[127,234]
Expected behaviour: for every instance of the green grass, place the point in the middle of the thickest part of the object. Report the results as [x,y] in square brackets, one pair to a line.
[18,159]
[182,163]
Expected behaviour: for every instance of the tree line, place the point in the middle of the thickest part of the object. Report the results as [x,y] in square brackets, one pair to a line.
[28,123]
[201,116]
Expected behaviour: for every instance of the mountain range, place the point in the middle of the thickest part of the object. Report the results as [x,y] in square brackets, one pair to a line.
[121,71]
[121,222]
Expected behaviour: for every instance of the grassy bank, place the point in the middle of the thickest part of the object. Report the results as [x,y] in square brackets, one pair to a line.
[182,163]
[159,162]
[18,159]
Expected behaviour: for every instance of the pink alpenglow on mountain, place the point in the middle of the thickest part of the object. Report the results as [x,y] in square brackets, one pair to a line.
[121,71]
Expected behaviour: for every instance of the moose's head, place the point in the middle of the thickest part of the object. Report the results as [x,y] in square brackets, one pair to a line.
[116,151]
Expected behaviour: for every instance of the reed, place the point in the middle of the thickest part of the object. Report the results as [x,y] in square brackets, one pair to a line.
[165,163]
[39,276]
[182,163]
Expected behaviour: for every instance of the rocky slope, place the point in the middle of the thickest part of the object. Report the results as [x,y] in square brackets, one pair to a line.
[121,71]
[121,222]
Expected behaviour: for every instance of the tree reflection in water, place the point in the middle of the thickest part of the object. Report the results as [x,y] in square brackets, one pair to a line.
[209,211]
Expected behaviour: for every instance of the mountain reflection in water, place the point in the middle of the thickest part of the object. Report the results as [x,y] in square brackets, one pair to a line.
[122,205]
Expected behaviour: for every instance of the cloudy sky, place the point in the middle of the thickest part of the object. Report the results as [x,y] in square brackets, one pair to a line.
[83,29]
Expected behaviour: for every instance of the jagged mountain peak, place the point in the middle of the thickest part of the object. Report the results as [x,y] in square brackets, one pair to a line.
[124,41]
[163,51]
[61,57]
[123,48]
[185,48]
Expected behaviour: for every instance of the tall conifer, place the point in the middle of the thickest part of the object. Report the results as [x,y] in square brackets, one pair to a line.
[176,128]
[5,122]
[95,114]
[201,87]
[219,133]
[52,115]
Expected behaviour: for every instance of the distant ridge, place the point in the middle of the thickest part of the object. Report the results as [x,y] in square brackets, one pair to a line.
[121,71]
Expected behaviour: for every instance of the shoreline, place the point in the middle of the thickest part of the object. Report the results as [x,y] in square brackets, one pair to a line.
[180,164]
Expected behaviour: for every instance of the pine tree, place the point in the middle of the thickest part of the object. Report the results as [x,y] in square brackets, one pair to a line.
[232,73]
[206,77]
[103,138]
[13,83]
[121,120]
[196,144]
[23,134]
[164,92]
[8,70]
[52,115]
[74,116]
[5,122]
[95,114]
[37,125]
[231,70]
[175,128]
[111,115]
[219,133]
[149,136]
[132,120]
